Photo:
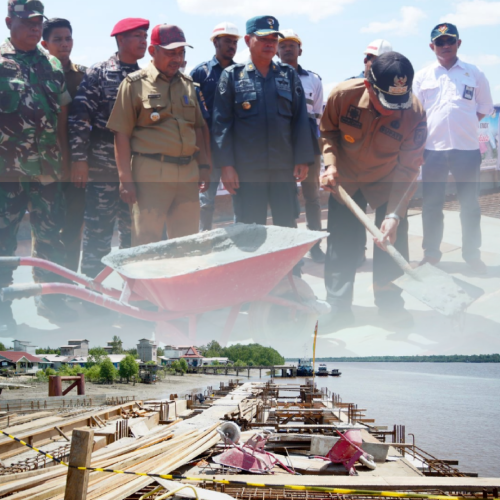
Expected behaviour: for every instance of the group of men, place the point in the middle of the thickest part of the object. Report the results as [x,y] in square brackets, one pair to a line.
[83,149]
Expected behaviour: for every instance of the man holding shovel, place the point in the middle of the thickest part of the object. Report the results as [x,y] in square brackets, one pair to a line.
[374,132]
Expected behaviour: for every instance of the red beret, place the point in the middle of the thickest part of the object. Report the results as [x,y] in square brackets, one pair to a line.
[129,24]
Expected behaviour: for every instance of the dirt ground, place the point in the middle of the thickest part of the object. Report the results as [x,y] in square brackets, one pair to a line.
[172,384]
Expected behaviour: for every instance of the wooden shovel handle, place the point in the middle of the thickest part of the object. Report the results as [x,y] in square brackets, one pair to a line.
[373,229]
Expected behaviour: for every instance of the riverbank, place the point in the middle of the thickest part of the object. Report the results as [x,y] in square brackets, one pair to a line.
[172,384]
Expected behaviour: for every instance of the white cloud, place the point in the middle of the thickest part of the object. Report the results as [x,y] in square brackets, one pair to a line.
[474,13]
[407,24]
[315,10]
[482,59]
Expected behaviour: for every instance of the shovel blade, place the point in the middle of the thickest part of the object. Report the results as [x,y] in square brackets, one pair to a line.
[438,290]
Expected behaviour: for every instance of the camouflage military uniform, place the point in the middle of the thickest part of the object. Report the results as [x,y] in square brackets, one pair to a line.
[71,232]
[91,141]
[32,91]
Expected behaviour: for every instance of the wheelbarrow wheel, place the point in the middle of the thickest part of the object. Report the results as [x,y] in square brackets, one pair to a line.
[271,322]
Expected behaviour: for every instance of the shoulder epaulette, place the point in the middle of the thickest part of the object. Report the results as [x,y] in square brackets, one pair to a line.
[137,75]
[234,66]
[189,78]
[315,74]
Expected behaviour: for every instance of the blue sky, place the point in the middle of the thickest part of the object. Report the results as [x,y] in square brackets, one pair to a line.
[334,32]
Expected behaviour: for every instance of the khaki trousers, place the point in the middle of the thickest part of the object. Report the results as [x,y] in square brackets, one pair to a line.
[167,194]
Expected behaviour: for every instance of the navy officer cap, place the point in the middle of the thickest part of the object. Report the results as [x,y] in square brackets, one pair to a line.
[444,29]
[263,25]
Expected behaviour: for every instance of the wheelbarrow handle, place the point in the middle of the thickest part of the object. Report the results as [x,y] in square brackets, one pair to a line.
[10,263]
[373,229]
[20,292]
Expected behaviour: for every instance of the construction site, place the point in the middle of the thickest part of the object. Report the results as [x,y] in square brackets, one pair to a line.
[253,440]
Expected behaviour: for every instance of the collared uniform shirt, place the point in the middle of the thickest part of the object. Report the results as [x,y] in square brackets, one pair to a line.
[207,74]
[313,90]
[451,99]
[32,91]
[147,94]
[260,123]
[89,138]
[380,155]
[74,76]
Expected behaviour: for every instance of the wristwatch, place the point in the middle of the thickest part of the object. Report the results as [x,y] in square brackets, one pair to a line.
[393,216]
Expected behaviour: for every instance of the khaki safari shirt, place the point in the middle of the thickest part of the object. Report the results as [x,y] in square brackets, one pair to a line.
[74,76]
[380,155]
[143,96]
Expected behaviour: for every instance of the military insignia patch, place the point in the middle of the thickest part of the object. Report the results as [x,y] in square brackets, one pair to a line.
[352,117]
[390,133]
[443,29]
[400,86]
[246,105]
[245,85]
[298,90]
[349,138]
[283,84]
[396,124]
[420,135]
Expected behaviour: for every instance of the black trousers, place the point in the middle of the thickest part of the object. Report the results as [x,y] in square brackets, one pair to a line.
[346,245]
[262,188]
[465,168]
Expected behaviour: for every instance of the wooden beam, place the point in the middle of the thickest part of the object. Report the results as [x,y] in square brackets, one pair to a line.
[62,433]
[81,451]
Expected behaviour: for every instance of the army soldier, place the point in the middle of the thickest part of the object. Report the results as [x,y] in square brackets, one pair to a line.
[262,139]
[33,114]
[374,132]
[92,144]
[58,41]
[225,38]
[158,124]
[289,51]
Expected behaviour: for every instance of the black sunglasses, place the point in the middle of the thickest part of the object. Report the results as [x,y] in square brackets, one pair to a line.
[369,57]
[439,42]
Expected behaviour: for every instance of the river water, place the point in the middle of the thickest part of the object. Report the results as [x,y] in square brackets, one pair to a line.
[452,408]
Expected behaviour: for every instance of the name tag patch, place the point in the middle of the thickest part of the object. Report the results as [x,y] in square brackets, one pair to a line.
[245,85]
[154,96]
[468,93]
[393,135]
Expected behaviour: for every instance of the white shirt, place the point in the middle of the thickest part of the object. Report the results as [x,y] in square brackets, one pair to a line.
[451,99]
[313,90]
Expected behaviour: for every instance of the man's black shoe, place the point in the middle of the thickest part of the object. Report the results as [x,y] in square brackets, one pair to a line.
[8,325]
[337,320]
[54,308]
[316,254]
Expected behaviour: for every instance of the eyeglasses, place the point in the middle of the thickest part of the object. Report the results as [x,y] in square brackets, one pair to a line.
[439,42]
[369,57]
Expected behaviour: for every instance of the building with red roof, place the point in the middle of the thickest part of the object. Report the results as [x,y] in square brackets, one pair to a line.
[21,362]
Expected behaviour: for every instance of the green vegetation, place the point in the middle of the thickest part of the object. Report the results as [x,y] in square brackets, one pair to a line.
[108,371]
[96,356]
[184,365]
[128,367]
[249,355]
[455,358]
[2,347]
[48,350]
[116,345]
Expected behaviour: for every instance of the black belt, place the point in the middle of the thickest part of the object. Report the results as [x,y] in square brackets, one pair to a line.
[178,160]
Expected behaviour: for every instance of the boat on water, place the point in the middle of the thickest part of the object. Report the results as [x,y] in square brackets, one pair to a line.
[322,371]
[335,372]
[305,368]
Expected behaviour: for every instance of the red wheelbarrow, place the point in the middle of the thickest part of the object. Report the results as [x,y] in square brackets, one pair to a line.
[187,276]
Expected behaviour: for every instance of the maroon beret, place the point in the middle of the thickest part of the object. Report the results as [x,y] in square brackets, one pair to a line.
[130,24]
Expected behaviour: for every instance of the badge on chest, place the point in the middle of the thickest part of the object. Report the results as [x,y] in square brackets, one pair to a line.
[468,93]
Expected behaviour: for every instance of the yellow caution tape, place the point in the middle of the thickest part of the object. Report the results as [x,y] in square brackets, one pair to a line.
[338,491]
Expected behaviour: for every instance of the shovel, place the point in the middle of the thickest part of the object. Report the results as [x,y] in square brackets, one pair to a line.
[427,283]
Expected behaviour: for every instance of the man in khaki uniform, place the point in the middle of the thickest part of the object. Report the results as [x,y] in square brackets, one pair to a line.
[158,125]
[374,132]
